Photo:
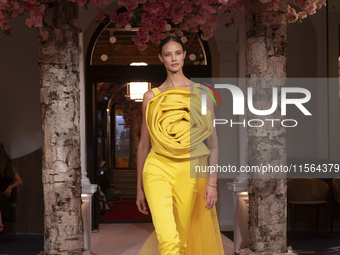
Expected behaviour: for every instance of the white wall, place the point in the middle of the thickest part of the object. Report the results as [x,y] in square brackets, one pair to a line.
[20,115]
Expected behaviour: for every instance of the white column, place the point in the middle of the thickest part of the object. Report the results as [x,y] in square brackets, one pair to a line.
[243,136]
[241,216]
[87,188]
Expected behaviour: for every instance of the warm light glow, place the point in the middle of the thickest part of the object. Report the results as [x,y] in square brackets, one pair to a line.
[244,193]
[128,27]
[138,64]
[104,57]
[85,195]
[192,57]
[113,39]
[137,90]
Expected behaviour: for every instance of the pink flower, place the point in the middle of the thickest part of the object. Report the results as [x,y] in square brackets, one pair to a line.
[155,38]
[311,9]
[143,35]
[41,8]
[29,22]
[82,2]
[179,32]
[158,25]
[207,8]
[130,4]
[122,19]
[291,14]
[302,15]
[99,14]
[188,7]
[142,47]
[38,21]
[199,19]
[301,3]
[14,14]
[29,5]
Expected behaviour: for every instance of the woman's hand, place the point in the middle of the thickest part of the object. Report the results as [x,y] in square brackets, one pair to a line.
[210,194]
[140,202]
[8,191]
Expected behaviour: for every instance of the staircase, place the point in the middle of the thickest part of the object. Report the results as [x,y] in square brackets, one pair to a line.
[125,181]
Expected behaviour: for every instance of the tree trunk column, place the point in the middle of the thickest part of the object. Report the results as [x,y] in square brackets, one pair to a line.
[266,47]
[59,96]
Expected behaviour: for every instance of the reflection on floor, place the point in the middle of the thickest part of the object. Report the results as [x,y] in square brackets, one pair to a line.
[128,239]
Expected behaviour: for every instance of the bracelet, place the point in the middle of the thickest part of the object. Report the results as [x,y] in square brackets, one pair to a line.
[211,185]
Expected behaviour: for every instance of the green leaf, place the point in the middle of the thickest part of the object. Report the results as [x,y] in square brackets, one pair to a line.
[7,32]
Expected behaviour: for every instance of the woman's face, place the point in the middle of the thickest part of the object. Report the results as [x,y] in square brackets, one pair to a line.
[172,56]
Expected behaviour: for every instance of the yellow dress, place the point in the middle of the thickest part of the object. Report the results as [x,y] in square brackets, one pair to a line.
[173,189]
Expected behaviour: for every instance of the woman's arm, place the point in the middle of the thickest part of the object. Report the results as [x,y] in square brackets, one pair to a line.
[210,194]
[17,182]
[17,178]
[144,143]
[142,153]
[212,142]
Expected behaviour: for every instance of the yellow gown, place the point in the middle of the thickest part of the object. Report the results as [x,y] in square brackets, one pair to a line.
[173,189]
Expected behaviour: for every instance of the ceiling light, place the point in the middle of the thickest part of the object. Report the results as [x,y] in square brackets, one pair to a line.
[184,39]
[113,39]
[104,57]
[192,57]
[138,64]
[128,27]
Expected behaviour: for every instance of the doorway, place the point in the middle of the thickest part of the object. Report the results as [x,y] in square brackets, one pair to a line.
[112,63]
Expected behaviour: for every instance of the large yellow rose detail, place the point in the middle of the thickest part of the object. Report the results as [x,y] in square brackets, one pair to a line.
[177,128]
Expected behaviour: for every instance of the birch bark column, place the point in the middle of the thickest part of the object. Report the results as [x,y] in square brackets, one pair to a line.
[266,51]
[60,100]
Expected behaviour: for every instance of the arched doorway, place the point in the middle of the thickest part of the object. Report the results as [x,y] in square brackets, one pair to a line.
[109,73]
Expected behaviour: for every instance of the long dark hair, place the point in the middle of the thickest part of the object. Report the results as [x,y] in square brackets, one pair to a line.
[170,39]
[6,167]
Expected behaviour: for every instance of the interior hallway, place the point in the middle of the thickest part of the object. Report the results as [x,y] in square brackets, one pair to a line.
[128,239]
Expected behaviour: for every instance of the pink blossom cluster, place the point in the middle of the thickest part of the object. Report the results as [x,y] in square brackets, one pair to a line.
[308,7]
[10,9]
[186,15]
[93,2]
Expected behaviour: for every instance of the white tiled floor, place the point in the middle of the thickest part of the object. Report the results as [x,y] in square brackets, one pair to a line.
[128,239]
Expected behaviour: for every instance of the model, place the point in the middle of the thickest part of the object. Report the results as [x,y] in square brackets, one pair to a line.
[181,199]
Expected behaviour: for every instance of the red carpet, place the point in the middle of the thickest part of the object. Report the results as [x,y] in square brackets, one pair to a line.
[125,209]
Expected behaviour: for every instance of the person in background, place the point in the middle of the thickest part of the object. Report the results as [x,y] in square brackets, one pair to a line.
[9,179]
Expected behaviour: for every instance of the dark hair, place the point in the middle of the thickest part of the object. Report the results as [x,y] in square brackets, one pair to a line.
[170,39]
[6,168]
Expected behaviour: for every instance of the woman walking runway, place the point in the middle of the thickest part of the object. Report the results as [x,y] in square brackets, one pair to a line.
[181,200]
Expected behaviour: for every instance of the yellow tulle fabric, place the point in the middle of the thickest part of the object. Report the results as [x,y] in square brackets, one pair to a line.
[177,131]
